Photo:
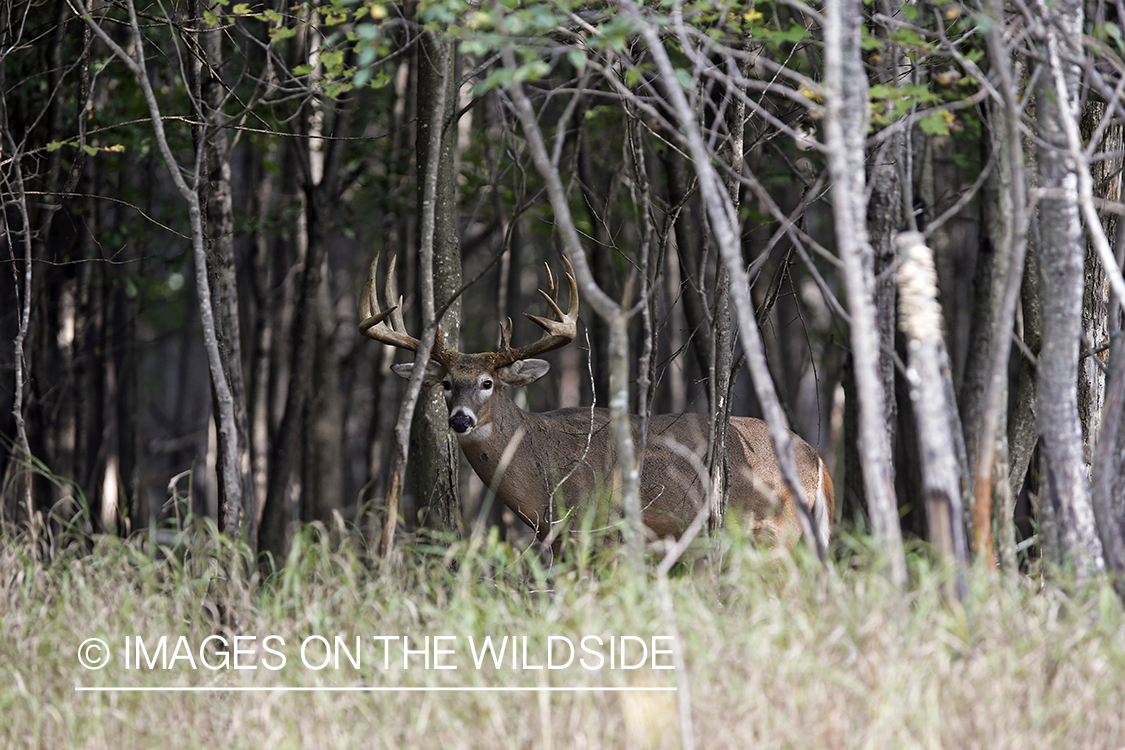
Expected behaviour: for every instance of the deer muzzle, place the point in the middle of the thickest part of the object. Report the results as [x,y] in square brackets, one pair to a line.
[462,422]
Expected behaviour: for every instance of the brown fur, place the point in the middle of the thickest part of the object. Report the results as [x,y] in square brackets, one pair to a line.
[549,475]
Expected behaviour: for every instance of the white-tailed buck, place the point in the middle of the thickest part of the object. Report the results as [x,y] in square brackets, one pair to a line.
[552,467]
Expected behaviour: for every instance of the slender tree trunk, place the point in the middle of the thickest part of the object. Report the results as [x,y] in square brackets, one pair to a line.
[218,226]
[886,217]
[885,221]
[435,456]
[280,510]
[323,426]
[263,361]
[23,506]
[1109,474]
[922,322]
[722,353]
[987,335]
[318,160]
[1011,249]
[845,126]
[1101,388]
[437,103]
[1097,298]
[591,175]
[689,251]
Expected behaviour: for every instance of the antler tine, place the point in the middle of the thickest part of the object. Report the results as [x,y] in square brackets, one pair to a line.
[505,335]
[374,319]
[559,332]
[390,292]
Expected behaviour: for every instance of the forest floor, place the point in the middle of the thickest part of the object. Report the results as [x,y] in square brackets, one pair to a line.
[747,649]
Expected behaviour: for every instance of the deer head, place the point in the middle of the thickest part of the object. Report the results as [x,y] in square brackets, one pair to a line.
[470,381]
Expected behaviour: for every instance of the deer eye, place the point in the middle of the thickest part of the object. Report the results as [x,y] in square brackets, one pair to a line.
[486,385]
[447,385]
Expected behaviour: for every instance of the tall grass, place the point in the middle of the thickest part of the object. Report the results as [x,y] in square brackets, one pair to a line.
[775,651]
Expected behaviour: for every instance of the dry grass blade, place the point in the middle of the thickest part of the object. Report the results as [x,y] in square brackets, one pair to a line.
[775,655]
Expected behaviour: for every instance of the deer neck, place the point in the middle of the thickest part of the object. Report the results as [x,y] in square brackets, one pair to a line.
[499,450]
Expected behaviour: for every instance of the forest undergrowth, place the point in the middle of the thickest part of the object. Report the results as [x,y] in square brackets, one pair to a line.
[750,647]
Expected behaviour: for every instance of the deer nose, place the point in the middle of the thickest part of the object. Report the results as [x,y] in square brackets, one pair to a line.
[461,422]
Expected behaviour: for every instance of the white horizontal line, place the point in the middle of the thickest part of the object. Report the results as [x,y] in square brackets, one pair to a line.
[285,689]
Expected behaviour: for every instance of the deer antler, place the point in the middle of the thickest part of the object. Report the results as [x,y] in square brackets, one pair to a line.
[559,332]
[386,325]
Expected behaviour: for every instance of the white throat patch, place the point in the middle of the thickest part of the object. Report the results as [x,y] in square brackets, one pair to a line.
[476,434]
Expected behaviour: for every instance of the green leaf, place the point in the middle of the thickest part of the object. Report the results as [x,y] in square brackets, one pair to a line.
[498,78]
[577,59]
[278,33]
[795,33]
[1113,31]
[533,70]
[909,38]
[936,123]
[367,56]
[684,78]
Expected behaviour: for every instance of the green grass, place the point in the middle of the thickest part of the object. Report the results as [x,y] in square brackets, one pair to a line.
[775,652]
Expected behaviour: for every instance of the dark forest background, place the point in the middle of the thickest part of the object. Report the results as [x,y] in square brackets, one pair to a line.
[193,193]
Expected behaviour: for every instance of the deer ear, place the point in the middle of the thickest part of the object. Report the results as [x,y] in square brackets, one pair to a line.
[434,372]
[523,372]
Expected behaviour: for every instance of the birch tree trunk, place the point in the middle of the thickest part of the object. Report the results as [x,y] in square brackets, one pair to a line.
[921,320]
[845,126]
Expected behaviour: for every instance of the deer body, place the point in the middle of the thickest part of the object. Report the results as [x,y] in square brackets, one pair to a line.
[555,463]
[552,467]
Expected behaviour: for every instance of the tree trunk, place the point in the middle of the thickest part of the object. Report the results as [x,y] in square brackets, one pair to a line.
[218,226]
[1062,252]
[689,252]
[1109,468]
[1096,297]
[722,353]
[987,334]
[319,161]
[434,454]
[845,125]
[1100,387]
[922,322]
